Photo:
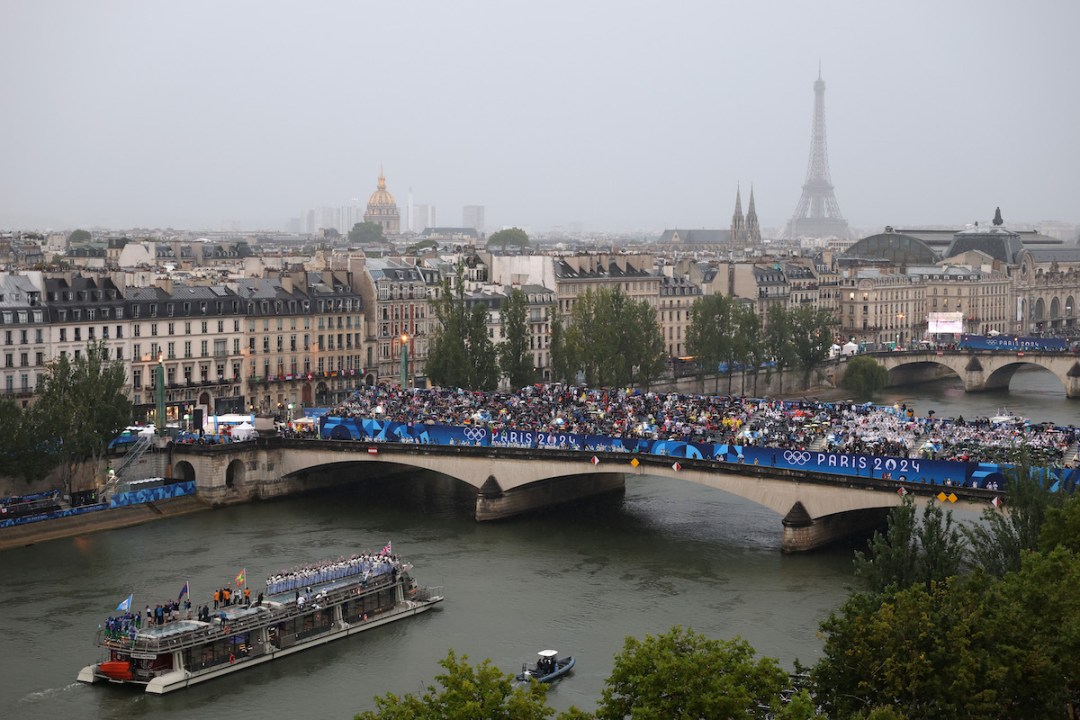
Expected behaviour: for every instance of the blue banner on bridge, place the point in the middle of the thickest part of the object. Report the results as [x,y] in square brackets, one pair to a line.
[932,472]
[164,492]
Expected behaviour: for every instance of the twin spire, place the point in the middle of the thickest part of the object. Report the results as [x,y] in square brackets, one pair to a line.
[745,229]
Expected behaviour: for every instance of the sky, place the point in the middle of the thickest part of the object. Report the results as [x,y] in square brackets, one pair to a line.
[612,115]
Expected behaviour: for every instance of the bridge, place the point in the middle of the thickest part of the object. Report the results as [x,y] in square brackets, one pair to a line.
[816,508]
[979,370]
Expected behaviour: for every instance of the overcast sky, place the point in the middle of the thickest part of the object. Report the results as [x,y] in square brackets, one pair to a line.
[614,114]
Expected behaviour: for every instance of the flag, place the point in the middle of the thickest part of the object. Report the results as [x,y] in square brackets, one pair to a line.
[386,550]
[126,604]
[996,502]
[183,591]
[241,577]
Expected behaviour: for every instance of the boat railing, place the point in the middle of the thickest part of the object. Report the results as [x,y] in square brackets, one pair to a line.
[215,629]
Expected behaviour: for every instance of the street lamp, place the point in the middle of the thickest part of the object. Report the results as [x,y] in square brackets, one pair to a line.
[290,412]
[159,393]
[900,328]
[404,359]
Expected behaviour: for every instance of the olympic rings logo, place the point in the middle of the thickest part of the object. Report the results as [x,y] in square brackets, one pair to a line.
[797,457]
[475,434]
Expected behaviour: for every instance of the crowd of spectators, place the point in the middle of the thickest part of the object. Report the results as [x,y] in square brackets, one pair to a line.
[805,424]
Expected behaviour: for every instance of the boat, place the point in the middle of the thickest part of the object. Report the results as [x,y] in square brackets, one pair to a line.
[1004,417]
[320,603]
[548,667]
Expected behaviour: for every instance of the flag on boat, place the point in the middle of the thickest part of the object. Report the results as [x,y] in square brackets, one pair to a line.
[126,604]
[183,591]
[241,577]
[386,550]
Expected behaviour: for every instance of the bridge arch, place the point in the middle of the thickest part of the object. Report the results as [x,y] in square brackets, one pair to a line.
[184,471]
[1001,378]
[235,473]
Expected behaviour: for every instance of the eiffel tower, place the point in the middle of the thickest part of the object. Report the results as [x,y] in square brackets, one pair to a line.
[818,214]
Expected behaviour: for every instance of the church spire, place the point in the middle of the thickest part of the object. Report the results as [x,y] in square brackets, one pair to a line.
[738,222]
[382,178]
[753,230]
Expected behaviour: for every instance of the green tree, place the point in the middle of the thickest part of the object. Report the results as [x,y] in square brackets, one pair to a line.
[811,337]
[461,352]
[864,376]
[1000,540]
[614,340]
[366,232]
[83,405]
[27,450]
[78,236]
[515,356]
[466,692]
[912,552]
[708,337]
[562,359]
[777,339]
[510,236]
[684,675]
[643,342]
[753,354]
[483,366]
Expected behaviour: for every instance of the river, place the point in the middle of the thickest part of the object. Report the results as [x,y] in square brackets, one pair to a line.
[579,579]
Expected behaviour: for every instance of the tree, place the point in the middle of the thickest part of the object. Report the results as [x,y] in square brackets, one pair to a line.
[510,236]
[27,451]
[562,361]
[748,330]
[811,337]
[614,340]
[83,405]
[684,675]
[864,376]
[1000,540]
[461,352]
[778,341]
[78,236]
[515,357]
[912,552]
[465,692]
[705,336]
[366,232]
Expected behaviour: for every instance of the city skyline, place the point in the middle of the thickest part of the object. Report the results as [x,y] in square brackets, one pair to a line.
[628,118]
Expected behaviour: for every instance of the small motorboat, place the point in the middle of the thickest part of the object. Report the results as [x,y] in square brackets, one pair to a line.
[1004,417]
[549,666]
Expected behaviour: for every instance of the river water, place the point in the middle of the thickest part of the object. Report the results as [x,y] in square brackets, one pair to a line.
[578,579]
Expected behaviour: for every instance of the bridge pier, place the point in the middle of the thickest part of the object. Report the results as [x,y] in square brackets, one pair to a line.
[494,503]
[803,533]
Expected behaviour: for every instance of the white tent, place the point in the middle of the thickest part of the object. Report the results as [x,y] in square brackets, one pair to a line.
[147,431]
[834,350]
[243,431]
[849,348]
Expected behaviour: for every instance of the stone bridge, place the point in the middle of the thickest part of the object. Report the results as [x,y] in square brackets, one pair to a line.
[979,370]
[815,508]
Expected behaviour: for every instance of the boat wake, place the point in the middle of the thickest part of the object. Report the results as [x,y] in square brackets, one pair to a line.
[40,695]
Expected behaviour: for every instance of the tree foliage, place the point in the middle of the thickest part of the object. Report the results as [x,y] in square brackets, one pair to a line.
[366,232]
[912,552]
[811,338]
[971,647]
[681,674]
[613,340]
[461,353]
[864,376]
[1000,540]
[83,405]
[78,236]
[515,356]
[27,451]
[510,236]
[466,692]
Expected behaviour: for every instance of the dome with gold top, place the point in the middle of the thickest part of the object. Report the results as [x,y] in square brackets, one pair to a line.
[382,209]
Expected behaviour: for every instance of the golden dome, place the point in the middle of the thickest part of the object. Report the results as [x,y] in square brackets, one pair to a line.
[381,198]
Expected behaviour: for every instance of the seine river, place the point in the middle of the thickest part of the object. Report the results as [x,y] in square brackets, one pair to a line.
[578,579]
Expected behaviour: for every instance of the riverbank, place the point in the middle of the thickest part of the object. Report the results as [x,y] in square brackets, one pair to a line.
[33,533]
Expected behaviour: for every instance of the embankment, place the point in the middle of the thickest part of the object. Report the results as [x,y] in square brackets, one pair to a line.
[33,533]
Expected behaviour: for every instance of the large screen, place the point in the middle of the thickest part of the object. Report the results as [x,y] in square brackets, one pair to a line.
[945,322]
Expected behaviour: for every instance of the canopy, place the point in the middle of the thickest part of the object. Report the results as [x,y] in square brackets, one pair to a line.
[243,431]
[849,348]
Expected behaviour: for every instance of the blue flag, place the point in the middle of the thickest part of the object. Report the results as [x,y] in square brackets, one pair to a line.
[183,591]
[126,604]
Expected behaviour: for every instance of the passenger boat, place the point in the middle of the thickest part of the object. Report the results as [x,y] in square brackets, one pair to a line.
[1004,417]
[298,613]
[549,666]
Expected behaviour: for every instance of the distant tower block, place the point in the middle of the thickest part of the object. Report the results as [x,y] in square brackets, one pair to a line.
[818,214]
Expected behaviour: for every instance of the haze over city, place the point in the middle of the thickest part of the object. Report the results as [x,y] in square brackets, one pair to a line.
[612,115]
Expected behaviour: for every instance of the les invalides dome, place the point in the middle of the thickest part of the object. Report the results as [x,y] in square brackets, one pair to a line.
[382,209]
